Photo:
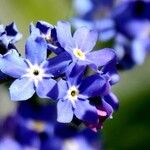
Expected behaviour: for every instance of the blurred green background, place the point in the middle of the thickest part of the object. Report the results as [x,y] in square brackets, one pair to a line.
[130,127]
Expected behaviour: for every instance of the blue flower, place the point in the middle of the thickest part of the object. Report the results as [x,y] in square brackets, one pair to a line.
[132,46]
[95,15]
[74,93]
[34,73]
[119,21]
[48,32]
[80,45]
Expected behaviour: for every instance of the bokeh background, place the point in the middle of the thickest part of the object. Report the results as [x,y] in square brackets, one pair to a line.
[130,126]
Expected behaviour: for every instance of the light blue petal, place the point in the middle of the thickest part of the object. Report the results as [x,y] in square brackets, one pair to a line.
[36,49]
[45,86]
[93,86]
[85,39]
[64,36]
[64,111]
[101,57]
[82,6]
[12,64]
[21,89]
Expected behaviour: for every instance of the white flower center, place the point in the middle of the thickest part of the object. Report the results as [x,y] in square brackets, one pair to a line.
[36,73]
[79,54]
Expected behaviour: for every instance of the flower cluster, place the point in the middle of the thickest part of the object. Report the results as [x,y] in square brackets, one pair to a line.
[62,67]
[126,23]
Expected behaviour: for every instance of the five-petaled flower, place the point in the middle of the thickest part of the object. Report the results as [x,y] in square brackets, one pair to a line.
[33,73]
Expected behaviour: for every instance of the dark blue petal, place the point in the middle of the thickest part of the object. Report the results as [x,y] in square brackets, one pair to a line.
[43,26]
[112,100]
[57,65]
[10,30]
[111,70]
[75,73]
[21,89]
[12,33]
[64,111]
[93,86]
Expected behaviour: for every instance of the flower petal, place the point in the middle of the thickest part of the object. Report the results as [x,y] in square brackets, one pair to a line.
[86,112]
[92,86]
[85,39]
[107,108]
[111,70]
[36,49]
[112,100]
[44,87]
[57,65]
[59,90]
[101,57]
[64,111]
[21,89]
[43,26]
[138,51]
[13,65]
[75,73]
[63,30]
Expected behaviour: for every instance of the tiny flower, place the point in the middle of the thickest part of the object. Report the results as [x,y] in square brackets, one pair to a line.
[74,93]
[48,32]
[80,45]
[34,73]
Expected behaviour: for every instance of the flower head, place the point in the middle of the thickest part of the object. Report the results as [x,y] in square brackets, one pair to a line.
[33,73]
[74,93]
[81,44]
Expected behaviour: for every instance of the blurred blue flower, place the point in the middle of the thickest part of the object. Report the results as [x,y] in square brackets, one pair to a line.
[120,21]
[133,37]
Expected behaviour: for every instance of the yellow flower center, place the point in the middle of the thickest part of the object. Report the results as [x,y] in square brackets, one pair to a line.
[79,54]
[38,126]
[73,93]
